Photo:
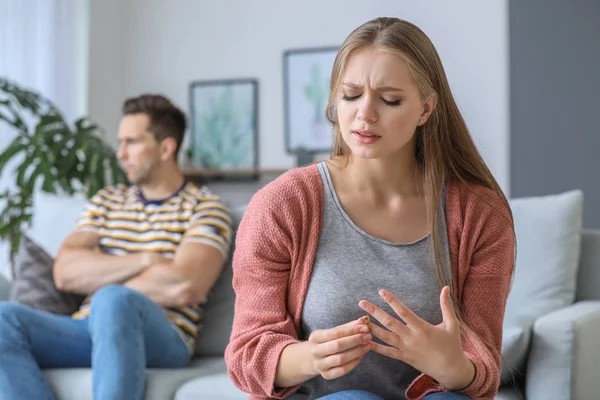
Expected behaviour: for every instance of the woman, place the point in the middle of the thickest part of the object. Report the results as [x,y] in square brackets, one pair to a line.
[405,205]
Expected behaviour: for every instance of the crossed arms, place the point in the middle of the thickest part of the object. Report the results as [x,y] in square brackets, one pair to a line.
[186,279]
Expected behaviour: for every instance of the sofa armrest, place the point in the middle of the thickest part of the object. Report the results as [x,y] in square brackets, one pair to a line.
[565,353]
[4,288]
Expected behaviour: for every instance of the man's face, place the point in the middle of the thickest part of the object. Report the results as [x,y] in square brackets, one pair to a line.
[139,152]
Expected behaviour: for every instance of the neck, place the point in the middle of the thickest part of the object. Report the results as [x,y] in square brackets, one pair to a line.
[385,177]
[163,183]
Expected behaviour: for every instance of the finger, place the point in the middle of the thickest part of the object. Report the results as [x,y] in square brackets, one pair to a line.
[401,310]
[387,337]
[340,345]
[338,359]
[342,370]
[386,320]
[388,351]
[448,314]
[348,329]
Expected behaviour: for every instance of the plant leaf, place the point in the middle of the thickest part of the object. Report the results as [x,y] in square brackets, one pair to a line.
[22,170]
[37,172]
[13,149]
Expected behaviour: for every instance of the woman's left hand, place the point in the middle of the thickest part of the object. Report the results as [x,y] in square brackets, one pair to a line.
[435,350]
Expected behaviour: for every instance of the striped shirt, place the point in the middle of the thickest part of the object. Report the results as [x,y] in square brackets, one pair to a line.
[128,223]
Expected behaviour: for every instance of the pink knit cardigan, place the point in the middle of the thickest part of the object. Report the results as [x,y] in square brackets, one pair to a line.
[275,249]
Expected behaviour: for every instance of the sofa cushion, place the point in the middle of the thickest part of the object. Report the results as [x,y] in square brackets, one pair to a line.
[5,259]
[516,337]
[217,386]
[54,218]
[218,312]
[4,287]
[548,230]
[508,393]
[161,384]
[33,284]
[217,318]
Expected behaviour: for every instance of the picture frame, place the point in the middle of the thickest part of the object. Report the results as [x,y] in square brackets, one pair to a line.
[224,128]
[306,77]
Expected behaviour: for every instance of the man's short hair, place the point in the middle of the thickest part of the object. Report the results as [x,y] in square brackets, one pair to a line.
[166,120]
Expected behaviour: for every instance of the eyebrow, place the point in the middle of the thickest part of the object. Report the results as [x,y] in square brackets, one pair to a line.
[379,89]
[128,138]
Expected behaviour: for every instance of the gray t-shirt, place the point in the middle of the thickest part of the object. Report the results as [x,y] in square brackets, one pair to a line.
[351,265]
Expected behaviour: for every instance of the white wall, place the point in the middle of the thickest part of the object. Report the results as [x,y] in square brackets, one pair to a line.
[155,45]
[106,72]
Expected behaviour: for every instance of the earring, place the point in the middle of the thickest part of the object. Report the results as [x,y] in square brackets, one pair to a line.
[421,121]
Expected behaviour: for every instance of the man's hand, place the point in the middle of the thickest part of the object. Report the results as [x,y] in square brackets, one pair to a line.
[81,268]
[151,258]
[184,280]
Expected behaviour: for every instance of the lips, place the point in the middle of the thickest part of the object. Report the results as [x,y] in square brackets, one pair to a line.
[365,137]
[366,133]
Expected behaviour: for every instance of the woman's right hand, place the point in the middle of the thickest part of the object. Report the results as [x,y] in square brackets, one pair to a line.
[337,351]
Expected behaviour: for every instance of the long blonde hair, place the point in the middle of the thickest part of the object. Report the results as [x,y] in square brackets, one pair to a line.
[443,146]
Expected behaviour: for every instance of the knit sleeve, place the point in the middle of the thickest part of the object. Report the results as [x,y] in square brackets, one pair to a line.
[484,299]
[483,303]
[262,325]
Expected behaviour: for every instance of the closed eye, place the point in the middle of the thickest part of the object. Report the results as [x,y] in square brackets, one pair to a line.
[387,102]
[391,103]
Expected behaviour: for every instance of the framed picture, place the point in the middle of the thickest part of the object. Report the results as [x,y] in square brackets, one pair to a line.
[224,128]
[306,85]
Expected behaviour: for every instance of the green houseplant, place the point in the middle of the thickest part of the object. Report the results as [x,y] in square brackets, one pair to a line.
[48,154]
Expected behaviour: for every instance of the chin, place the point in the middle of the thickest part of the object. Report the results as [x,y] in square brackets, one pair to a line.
[366,154]
[381,151]
[134,180]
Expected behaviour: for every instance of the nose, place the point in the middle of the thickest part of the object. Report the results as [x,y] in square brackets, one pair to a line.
[366,109]
[121,152]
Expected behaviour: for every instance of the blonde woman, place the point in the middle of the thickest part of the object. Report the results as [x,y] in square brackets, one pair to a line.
[404,224]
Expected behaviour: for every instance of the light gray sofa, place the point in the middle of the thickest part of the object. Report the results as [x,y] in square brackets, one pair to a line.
[208,365]
[562,362]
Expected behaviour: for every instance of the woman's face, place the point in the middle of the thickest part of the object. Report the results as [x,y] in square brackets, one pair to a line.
[379,105]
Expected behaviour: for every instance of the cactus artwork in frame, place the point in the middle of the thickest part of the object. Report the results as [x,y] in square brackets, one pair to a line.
[306,81]
[224,128]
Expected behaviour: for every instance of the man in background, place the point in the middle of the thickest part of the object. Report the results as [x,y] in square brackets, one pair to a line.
[146,256]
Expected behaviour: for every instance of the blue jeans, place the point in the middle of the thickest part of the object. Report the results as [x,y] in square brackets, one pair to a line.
[125,333]
[360,395]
